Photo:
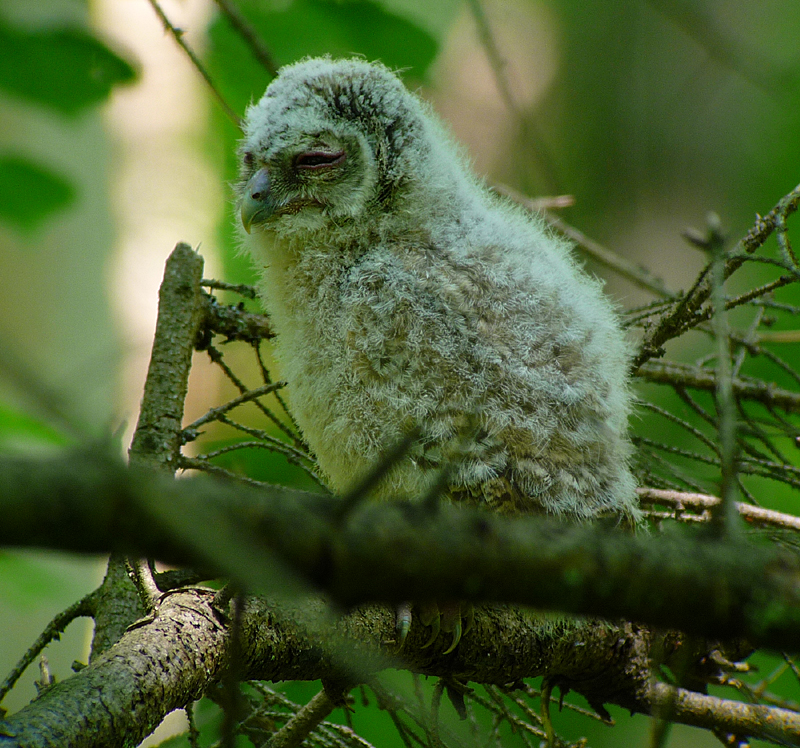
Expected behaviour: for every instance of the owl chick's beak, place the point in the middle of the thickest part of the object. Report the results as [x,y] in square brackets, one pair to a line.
[257,202]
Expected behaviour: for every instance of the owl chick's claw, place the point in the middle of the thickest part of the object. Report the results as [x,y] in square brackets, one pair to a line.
[451,618]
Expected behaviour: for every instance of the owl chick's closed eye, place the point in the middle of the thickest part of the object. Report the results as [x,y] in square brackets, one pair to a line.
[406,295]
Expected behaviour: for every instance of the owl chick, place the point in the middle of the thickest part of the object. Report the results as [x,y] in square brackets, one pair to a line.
[407,296]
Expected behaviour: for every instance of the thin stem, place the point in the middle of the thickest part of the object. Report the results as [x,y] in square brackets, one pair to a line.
[177,34]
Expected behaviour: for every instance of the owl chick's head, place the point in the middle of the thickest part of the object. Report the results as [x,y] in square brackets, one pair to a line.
[330,140]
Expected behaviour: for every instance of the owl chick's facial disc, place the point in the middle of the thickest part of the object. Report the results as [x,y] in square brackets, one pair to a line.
[321,149]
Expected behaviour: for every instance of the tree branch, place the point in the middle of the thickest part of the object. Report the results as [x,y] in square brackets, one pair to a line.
[156,442]
[123,695]
[678,374]
[164,662]
[681,501]
[780,726]
[685,313]
[401,550]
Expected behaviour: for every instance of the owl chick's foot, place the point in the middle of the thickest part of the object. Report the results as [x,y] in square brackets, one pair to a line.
[454,618]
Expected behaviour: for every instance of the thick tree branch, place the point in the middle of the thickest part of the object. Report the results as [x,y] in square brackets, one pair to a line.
[123,695]
[164,662]
[402,551]
[181,309]
[157,439]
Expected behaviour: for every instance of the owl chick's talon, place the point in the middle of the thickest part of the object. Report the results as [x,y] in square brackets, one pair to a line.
[451,618]
[436,626]
[456,638]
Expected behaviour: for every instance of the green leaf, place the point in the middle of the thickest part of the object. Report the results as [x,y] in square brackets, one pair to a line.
[316,27]
[18,428]
[29,193]
[311,28]
[66,69]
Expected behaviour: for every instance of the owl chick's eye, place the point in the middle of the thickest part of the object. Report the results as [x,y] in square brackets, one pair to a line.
[312,160]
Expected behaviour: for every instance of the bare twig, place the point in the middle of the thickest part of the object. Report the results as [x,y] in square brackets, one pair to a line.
[638,275]
[683,375]
[249,35]
[218,359]
[685,311]
[83,608]
[681,501]
[243,289]
[215,413]
[780,726]
[723,514]
[498,65]
[142,578]
[177,34]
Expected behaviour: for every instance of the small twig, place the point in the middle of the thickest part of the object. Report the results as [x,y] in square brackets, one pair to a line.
[242,289]
[293,454]
[784,336]
[638,275]
[142,579]
[378,472]
[301,725]
[83,608]
[231,696]
[681,501]
[496,706]
[677,374]
[215,413]
[547,722]
[294,432]
[270,443]
[249,35]
[436,703]
[177,34]
[723,516]
[194,733]
[686,308]
[685,425]
[498,65]
[782,236]
[191,463]
[217,358]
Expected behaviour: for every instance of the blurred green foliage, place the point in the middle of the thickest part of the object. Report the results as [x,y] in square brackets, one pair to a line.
[64,69]
[30,193]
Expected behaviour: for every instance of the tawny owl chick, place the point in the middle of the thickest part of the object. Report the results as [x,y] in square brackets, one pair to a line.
[405,295]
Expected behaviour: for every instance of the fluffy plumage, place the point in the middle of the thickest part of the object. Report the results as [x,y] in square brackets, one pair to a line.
[405,294]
